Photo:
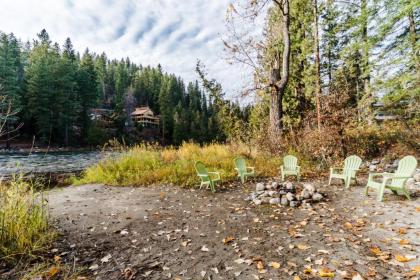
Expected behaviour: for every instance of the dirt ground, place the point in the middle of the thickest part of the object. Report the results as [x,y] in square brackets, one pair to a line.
[166,232]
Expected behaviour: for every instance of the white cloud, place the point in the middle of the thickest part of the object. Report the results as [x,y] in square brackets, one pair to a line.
[173,33]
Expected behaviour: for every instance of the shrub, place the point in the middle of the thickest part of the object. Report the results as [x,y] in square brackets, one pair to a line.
[23,221]
[146,165]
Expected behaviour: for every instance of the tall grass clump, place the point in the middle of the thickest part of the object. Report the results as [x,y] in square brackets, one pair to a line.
[23,221]
[146,165]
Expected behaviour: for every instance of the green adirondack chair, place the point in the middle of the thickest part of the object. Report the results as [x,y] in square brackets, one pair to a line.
[393,181]
[290,167]
[348,172]
[208,179]
[243,170]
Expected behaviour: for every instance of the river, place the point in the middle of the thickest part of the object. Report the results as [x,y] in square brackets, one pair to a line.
[52,162]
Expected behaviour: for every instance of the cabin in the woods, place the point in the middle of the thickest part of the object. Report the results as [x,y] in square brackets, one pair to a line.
[145,117]
[104,117]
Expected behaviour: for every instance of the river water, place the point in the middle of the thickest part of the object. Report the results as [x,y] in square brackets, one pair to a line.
[11,163]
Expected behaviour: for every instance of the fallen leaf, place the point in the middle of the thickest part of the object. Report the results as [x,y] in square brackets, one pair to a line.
[377,251]
[53,271]
[260,265]
[357,277]
[404,242]
[275,265]
[324,252]
[106,258]
[57,259]
[406,258]
[417,209]
[326,272]
[204,248]
[348,225]
[94,267]
[303,247]
[296,278]
[402,230]
[416,268]
[228,240]
[307,270]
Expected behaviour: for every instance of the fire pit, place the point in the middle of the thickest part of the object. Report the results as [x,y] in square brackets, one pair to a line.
[285,193]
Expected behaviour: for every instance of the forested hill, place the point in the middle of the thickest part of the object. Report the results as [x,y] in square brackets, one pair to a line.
[53,89]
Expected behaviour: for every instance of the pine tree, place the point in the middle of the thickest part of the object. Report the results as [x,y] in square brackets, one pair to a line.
[87,84]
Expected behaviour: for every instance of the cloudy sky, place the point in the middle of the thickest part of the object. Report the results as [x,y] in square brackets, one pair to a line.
[174,33]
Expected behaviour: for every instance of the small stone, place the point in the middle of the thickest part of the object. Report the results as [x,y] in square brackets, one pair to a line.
[265,199]
[259,193]
[268,187]
[317,197]
[375,161]
[309,188]
[372,167]
[274,185]
[290,196]
[271,193]
[289,186]
[284,201]
[264,194]
[253,196]
[294,203]
[257,201]
[275,200]
[259,187]
[282,192]
[305,194]
[417,177]
[411,181]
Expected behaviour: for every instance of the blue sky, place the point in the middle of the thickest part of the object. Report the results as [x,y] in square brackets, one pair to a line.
[174,33]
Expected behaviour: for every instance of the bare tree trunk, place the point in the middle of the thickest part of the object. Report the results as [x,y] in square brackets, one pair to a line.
[279,80]
[367,98]
[413,39]
[317,66]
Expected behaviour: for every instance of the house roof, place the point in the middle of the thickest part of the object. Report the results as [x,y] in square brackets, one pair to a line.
[142,111]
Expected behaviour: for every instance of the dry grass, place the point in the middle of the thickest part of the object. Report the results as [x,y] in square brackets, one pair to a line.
[24,229]
[146,165]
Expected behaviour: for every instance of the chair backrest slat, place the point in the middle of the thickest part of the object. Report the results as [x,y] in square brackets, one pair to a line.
[201,168]
[240,164]
[406,167]
[352,163]
[290,162]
